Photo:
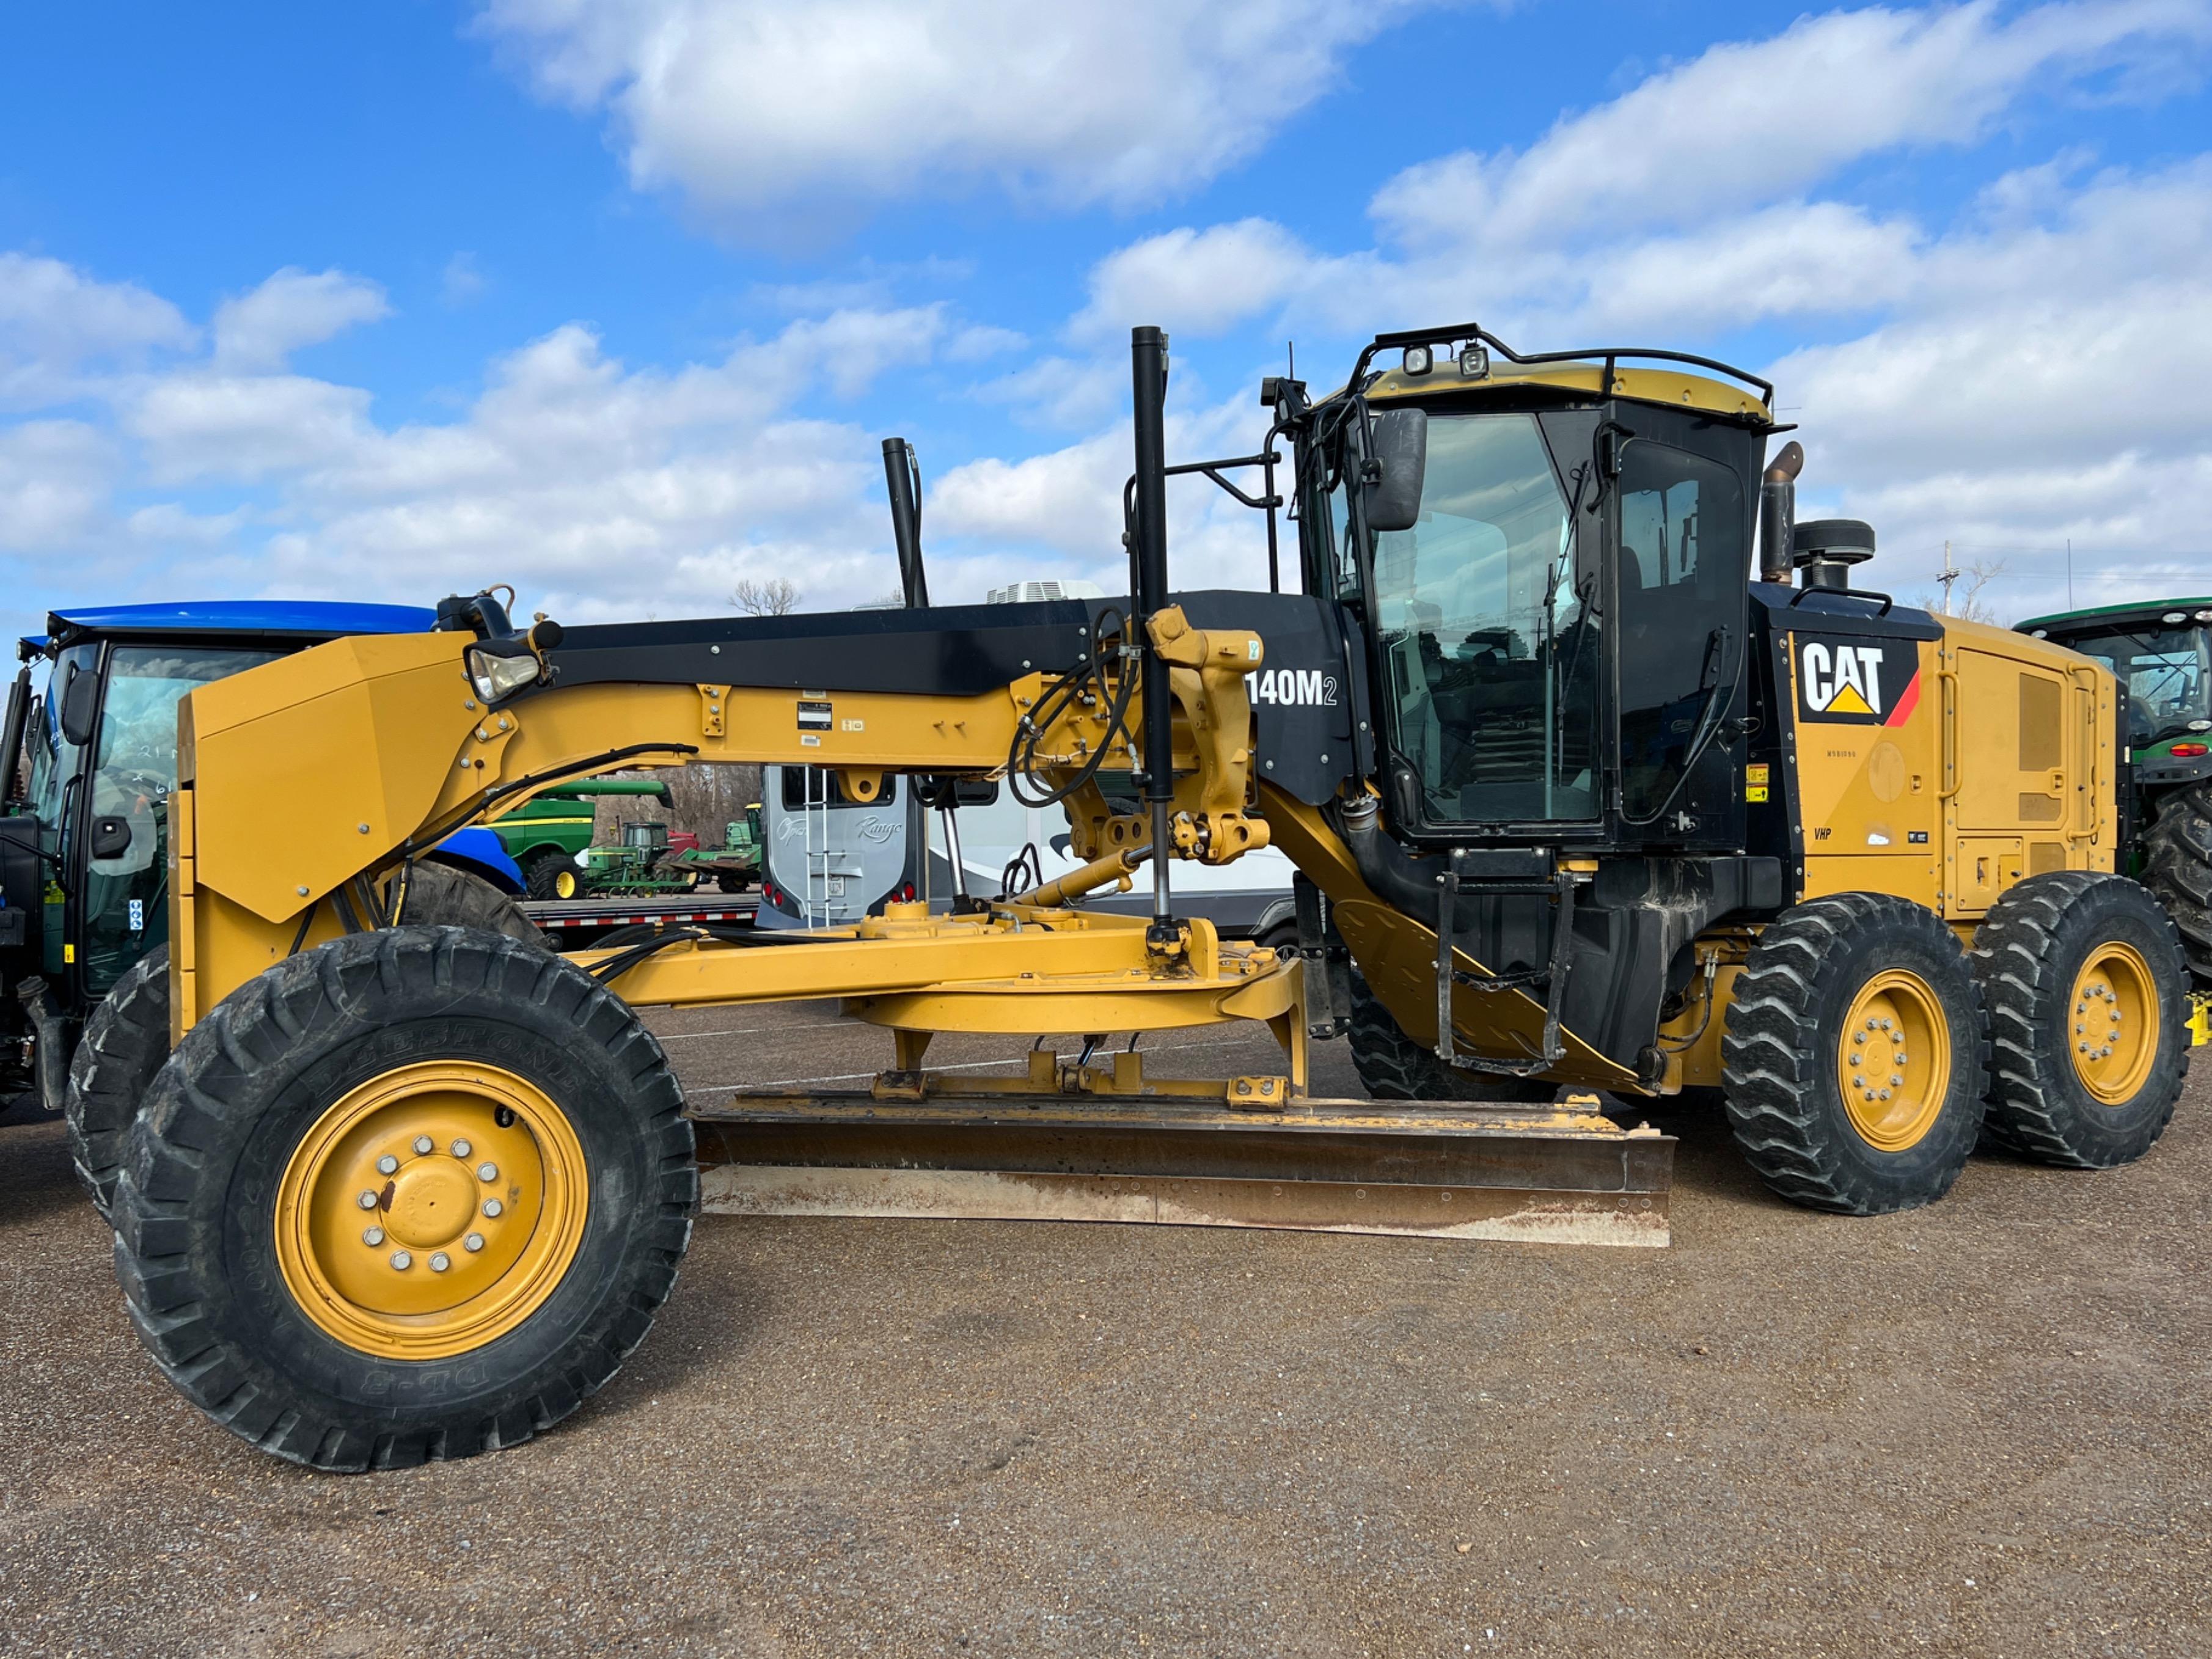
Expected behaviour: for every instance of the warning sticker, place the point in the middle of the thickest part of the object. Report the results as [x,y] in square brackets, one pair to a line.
[1754,781]
[814,716]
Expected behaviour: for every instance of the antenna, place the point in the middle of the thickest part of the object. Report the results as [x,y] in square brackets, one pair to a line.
[1951,574]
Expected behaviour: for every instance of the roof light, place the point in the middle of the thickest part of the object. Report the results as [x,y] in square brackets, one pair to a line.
[1418,360]
[2040,634]
[2204,616]
[2175,617]
[1474,362]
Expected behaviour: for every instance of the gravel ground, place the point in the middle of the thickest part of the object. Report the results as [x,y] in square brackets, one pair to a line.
[1977,1429]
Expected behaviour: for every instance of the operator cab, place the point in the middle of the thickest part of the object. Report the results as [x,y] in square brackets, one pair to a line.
[1552,556]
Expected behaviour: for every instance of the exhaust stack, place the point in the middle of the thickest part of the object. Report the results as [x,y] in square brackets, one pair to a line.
[903,477]
[1778,515]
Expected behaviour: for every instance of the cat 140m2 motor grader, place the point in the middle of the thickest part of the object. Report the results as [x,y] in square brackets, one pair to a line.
[1575,803]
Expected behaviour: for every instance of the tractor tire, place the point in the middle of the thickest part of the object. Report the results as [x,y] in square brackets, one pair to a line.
[2178,868]
[1877,978]
[125,1042]
[2066,959]
[445,896]
[520,1140]
[1393,1066]
[541,880]
[729,882]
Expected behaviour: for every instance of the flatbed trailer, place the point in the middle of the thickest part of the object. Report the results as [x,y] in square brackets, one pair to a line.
[575,924]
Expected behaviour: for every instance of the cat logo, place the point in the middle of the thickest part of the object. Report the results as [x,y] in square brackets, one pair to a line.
[1857,681]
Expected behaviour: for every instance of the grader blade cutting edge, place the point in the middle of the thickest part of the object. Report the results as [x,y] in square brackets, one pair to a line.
[1559,1175]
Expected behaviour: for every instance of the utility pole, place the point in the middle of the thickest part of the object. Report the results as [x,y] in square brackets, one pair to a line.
[2069,573]
[1951,574]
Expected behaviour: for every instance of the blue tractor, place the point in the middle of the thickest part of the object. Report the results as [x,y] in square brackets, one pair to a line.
[88,758]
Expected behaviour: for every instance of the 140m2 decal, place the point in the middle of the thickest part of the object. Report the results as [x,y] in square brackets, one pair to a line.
[1854,680]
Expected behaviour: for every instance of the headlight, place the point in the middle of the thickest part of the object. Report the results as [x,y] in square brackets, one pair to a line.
[496,675]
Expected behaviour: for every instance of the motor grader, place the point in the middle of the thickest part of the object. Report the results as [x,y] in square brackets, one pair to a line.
[1599,773]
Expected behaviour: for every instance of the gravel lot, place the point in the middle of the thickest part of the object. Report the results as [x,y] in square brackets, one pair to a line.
[1977,1429]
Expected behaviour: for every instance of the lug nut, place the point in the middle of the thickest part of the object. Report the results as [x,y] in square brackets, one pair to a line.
[1859,1037]
[373,1237]
[1885,1094]
[473,1242]
[1858,1083]
[366,1200]
[462,1149]
[1870,1094]
[402,1261]
[487,1172]
[1896,1081]
[440,1262]
[1874,1026]
[422,1146]
[492,1206]
[386,1165]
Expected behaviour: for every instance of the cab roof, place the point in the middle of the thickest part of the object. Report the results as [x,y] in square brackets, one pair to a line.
[291,618]
[2141,611]
[1676,388]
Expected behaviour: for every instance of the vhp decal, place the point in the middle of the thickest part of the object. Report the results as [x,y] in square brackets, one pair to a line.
[1857,681]
[1306,687]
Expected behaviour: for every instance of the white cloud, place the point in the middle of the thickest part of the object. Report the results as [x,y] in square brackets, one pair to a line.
[55,478]
[797,107]
[292,309]
[1744,124]
[1205,280]
[462,281]
[55,321]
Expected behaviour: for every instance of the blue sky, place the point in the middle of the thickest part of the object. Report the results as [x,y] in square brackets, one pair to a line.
[614,301]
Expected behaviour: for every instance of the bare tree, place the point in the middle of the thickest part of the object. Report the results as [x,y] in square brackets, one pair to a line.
[778,596]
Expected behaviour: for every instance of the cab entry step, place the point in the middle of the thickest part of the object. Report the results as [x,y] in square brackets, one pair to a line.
[1474,1170]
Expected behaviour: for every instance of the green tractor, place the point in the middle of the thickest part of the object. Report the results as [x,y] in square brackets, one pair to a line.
[735,865]
[550,836]
[2161,653]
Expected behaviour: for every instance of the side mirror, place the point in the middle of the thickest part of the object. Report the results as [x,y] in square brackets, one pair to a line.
[79,705]
[1400,462]
[110,837]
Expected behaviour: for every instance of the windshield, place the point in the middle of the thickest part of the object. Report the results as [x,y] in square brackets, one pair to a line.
[2163,673]
[125,912]
[1487,631]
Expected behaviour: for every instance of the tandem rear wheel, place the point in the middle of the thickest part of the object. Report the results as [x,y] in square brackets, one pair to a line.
[412,1195]
[2088,995]
[1855,1055]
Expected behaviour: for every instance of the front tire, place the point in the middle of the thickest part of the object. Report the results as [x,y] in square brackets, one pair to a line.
[126,1042]
[541,880]
[1856,1055]
[2089,996]
[522,1138]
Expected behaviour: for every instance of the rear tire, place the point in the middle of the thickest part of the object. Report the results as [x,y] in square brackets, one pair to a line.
[2177,868]
[730,883]
[1823,973]
[124,1043]
[237,1200]
[1393,1066]
[2063,957]
[126,1040]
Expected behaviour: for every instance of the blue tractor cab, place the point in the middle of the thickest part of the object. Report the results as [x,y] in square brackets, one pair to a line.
[88,758]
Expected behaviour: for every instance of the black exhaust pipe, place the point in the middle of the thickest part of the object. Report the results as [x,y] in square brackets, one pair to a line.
[902,474]
[1148,553]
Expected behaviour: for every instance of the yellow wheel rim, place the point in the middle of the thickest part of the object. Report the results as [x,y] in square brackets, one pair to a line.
[2114,1024]
[564,884]
[1893,1060]
[431,1211]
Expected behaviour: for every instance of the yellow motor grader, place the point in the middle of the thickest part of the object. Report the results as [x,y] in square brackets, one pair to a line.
[1599,773]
